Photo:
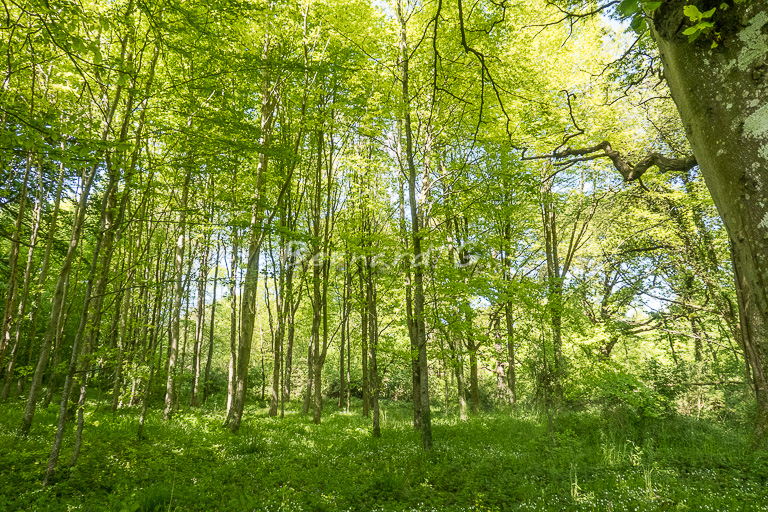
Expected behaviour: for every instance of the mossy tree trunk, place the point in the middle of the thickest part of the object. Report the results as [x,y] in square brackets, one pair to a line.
[722,96]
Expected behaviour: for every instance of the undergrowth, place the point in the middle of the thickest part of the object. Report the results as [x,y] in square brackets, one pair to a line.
[499,461]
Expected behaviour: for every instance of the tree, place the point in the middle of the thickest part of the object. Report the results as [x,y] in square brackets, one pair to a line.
[720,93]
[713,59]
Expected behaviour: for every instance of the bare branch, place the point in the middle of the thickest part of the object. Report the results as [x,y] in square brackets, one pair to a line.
[629,171]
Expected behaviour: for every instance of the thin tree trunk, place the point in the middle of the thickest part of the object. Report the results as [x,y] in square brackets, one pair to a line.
[409,295]
[364,331]
[178,265]
[179,374]
[200,323]
[13,258]
[233,328]
[416,220]
[251,280]
[22,308]
[373,326]
[57,303]
[207,378]
[123,312]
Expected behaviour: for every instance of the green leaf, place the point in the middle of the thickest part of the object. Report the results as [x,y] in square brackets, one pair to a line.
[78,45]
[651,6]
[97,58]
[628,7]
[638,24]
[709,13]
[691,11]
[122,80]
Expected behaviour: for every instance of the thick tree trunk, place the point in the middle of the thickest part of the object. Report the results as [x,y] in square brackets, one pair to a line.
[409,304]
[247,322]
[722,96]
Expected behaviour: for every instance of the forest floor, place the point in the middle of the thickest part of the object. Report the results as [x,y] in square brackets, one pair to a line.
[495,461]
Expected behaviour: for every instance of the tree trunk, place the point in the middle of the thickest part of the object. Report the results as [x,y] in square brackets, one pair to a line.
[153,341]
[373,326]
[178,291]
[419,325]
[511,365]
[13,259]
[278,332]
[123,312]
[22,308]
[722,97]
[42,278]
[409,298]
[202,281]
[474,387]
[250,285]
[345,305]
[291,330]
[364,331]
[57,304]
[233,330]
[207,377]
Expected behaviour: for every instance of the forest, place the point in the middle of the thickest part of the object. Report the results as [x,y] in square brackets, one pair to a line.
[422,255]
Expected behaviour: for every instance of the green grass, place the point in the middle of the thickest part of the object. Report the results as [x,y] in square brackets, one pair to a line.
[499,461]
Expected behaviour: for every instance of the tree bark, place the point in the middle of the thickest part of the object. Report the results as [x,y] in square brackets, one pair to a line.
[373,326]
[419,325]
[58,301]
[209,360]
[722,96]
[13,259]
[364,331]
[233,330]
[178,291]
[251,280]
[22,307]
[511,364]
[202,281]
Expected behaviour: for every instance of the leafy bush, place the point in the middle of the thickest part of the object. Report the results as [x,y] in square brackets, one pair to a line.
[612,386]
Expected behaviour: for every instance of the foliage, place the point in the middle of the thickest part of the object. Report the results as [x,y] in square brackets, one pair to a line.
[493,462]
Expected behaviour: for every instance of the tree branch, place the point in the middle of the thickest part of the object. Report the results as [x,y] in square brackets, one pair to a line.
[629,171]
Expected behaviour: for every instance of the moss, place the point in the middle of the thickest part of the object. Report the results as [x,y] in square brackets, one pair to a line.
[756,125]
[755,42]
[764,223]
